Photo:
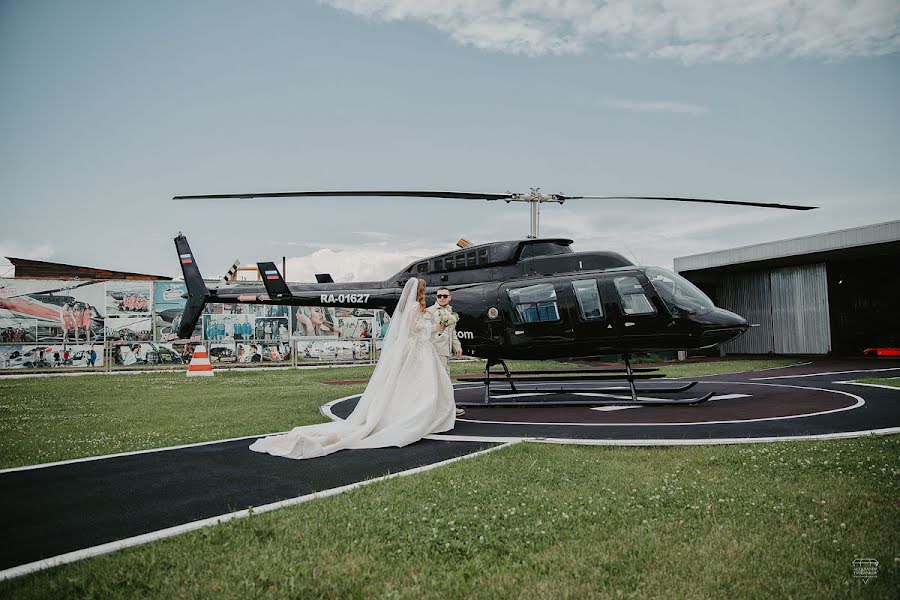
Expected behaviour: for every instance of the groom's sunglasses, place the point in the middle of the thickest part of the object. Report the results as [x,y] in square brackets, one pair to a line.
[443,295]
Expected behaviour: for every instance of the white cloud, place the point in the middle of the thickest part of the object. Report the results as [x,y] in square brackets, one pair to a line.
[686,30]
[372,262]
[693,110]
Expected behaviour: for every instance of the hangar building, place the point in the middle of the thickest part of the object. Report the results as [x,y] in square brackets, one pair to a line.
[833,293]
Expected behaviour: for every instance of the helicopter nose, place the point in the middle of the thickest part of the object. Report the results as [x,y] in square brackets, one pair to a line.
[720,326]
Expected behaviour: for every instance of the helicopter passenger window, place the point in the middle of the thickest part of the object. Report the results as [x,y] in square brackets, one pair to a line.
[589,305]
[460,261]
[471,258]
[482,256]
[534,304]
[634,300]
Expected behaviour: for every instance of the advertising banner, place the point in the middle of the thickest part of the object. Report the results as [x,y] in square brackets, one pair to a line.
[271,329]
[128,298]
[355,328]
[129,329]
[60,311]
[314,321]
[147,353]
[332,350]
[382,322]
[18,330]
[50,356]
[228,328]
[277,352]
[168,304]
[222,353]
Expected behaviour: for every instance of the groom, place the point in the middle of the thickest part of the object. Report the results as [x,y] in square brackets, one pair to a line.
[444,338]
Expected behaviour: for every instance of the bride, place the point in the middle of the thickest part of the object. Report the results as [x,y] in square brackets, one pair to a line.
[408,396]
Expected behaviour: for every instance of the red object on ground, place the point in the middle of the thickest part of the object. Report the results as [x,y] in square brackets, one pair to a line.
[882,351]
[199,364]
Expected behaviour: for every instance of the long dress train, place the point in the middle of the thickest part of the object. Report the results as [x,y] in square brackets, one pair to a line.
[408,396]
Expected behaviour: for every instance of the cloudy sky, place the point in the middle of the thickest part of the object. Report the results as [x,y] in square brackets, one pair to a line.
[110,108]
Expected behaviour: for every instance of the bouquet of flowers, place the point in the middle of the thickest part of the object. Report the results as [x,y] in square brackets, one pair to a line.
[447,317]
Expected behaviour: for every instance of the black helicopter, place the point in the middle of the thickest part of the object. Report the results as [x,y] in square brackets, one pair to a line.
[523,299]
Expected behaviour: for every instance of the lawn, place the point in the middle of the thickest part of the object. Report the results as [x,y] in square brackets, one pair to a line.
[543,521]
[892,381]
[531,520]
[59,418]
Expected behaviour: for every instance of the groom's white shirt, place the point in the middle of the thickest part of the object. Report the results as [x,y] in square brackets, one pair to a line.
[446,341]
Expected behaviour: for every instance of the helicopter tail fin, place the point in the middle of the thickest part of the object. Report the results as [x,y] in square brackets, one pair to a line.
[198,293]
[274,282]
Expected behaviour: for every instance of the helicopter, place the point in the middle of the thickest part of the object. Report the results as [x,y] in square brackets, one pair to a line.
[532,298]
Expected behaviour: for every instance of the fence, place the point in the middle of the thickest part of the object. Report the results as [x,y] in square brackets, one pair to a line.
[106,325]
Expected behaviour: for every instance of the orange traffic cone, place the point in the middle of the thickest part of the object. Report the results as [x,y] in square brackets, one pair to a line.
[200,366]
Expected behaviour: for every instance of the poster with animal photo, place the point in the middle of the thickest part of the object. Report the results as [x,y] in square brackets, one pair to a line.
[124,298]
[60,311]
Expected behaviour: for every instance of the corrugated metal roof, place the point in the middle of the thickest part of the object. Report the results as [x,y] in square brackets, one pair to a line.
[879,233]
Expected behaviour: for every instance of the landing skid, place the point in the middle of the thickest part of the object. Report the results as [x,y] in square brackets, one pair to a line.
[510,379]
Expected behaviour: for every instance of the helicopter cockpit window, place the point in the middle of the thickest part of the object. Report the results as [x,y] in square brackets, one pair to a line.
[589,305]
[422,267]
[634,300]
[680,295]
[534,304]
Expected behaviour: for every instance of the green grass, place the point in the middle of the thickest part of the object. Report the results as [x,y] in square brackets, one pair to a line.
[541,521]
[529,521]
[891,381]
[59,418]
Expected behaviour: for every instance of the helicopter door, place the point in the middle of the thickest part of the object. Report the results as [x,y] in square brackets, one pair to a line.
[536,317]
[595,332]
[639,318]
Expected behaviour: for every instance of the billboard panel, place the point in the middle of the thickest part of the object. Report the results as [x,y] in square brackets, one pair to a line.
[314,321]
[146,353]
[44,356]
[168,304]
[64,311]
[332,350]
[138,328]
[128,298]
[228,328]
[355,328]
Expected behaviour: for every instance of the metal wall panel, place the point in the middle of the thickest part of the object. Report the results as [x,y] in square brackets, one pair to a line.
[800,310]
[749,295]
[788,306]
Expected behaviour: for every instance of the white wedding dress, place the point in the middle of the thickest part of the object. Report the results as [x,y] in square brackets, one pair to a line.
[408,396]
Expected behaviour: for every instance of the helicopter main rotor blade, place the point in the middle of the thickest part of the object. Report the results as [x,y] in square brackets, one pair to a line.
[704,200]
[359,193]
